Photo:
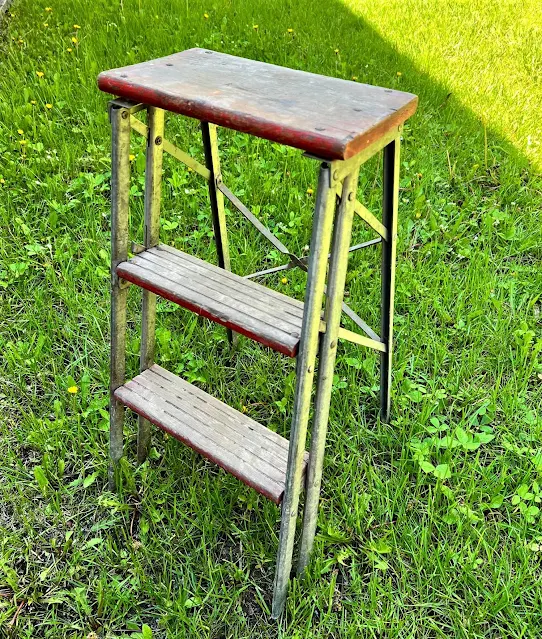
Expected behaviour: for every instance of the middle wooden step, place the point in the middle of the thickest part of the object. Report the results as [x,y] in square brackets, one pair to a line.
[244,306]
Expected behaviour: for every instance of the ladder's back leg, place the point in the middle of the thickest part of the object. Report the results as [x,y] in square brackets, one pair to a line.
[319,249]
[212,161]
[326,365]
[120,187]
[389,220]
[153,191]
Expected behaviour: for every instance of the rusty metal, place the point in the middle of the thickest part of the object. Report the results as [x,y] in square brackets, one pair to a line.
[328,352]
[153,183]
[120,187]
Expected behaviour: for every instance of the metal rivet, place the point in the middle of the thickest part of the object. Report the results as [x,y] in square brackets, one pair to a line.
[158,140]
[124,115]
[336,175]
[310,369]
[333,344]
[350,196]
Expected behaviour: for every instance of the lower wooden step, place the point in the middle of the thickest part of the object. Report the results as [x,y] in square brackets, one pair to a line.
[254,454]
[246,307]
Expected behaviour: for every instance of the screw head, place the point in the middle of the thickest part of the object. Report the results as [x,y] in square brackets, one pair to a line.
[310,369]
[124,115]
[335,175]
[158,140]
[333,344]
[350,196]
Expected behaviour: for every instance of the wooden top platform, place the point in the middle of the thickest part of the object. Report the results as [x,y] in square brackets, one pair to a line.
[331,118]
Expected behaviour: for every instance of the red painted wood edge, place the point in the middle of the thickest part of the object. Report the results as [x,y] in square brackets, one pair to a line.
[148,415]
[315,143]
[276,346]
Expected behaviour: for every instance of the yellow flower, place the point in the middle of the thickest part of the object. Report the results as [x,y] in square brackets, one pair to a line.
[33,102]
[132,157]
[48,106]
[74,40]
[336,51]
[45,24]
[284,281]
[73,389]
[290,30]
[22,142]
[255,27]
[76,26]
[399,74]
[40,74]
[48,9]
[206,16]
[2,181]
[309,191]
[20,41]
[244,409]
[20,131]
[418,215]
[354,77]
[69,49]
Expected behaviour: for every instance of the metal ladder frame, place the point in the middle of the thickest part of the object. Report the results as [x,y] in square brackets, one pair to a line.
[336,204]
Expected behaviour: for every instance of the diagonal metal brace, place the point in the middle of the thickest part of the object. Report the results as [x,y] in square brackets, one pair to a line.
[256,223]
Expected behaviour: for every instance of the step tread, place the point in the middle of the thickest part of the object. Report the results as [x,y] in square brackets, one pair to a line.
[249,451]
[246,307]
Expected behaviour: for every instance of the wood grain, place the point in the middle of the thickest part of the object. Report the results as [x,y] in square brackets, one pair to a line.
[327,117]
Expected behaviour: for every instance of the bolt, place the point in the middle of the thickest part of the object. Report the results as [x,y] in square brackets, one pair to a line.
[158,140]
[124,115]
[333,344]
[336,175]
[310,369]
[350,196]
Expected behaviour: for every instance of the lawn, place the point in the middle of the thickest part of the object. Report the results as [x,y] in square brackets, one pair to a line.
[430,525]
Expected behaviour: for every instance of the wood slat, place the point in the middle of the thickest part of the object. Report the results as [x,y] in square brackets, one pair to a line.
[246,449]
[244,306]
[327,117]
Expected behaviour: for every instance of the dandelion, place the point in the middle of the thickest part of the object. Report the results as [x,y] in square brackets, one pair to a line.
[45,24]
[22,142]
[336,51]
[418,215]
[74,40]
[290,30]
[2,181]
[309,191]
[284,280]
[132,157]
[40,74]
[244,409]
[255,27]
[73,390]
[20,131]
[20,41]
[48,106]
[354,77]
[399,74]
[48,9]
[76,26]
[69,49]
[206,16]
[33,102]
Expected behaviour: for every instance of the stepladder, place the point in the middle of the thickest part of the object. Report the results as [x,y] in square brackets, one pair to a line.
[341,125]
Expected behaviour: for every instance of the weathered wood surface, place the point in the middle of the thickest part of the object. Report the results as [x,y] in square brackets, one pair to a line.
[249,451]
[330,118]
[246,307]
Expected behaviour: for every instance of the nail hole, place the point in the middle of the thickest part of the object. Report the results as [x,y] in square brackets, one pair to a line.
[168,64]
[208,51]
[388,90]
[358,110]
[124,75]
[319,128]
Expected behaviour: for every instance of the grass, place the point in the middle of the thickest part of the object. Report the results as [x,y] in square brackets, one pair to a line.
[429,526]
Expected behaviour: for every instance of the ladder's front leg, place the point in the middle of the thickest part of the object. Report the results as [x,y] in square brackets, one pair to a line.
[328,352]
[389,220]
[216,198]
[319,249]
[120,188]
[153,190]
